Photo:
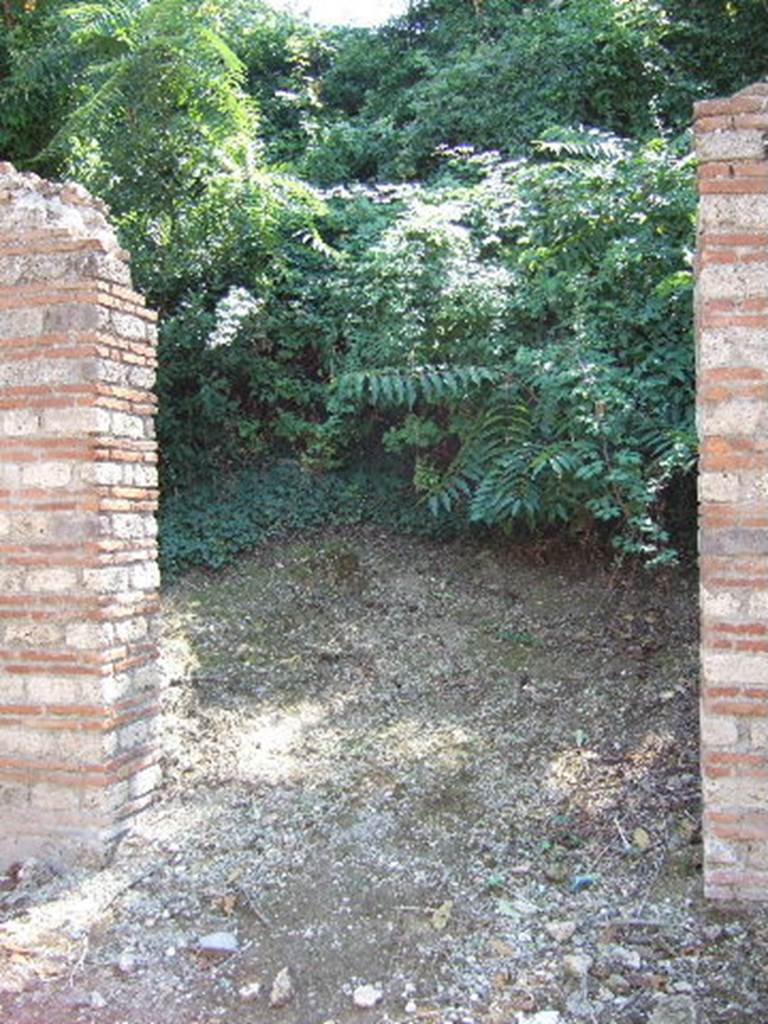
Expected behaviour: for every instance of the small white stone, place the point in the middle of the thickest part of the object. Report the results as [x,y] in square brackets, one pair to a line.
[577,965]
[250,991]
[560,931]
[366,996]
[282,989]
[218,944]
[628,958]
[542,1017]
[126,963]
[97,1001]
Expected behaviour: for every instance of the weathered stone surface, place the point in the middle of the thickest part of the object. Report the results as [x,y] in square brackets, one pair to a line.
[733,212]
[730,145]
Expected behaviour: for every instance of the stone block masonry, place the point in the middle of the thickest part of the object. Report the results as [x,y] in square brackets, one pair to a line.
[78,490]
[732,399]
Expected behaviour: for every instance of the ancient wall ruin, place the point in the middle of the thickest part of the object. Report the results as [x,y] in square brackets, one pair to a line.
[78,570]
[732,349]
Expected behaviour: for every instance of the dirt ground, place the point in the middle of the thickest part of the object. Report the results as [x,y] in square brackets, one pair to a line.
[457,781]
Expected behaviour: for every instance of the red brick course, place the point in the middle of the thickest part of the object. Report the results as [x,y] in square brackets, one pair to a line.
[732,397]
[79,679]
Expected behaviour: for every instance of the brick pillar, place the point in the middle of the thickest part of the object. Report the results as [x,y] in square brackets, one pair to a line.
[732,345]
[78,572]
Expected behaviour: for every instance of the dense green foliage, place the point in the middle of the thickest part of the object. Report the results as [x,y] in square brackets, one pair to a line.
[463,239]
[213,523]
[535,364]
[497,73]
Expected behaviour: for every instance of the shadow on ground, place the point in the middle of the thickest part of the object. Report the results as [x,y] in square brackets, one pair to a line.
[464,778]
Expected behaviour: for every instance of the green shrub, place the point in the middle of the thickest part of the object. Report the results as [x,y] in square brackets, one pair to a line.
[210,525]
[541,320]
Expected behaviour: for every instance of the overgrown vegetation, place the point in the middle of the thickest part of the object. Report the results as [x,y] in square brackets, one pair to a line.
[211,524]
[463,239]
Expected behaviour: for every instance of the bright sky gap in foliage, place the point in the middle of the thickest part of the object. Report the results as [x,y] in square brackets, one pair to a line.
[347,12]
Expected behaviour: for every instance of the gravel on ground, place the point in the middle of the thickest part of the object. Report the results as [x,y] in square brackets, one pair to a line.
[405,781]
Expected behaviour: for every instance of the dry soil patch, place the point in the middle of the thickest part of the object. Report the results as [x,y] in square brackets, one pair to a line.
[450,772]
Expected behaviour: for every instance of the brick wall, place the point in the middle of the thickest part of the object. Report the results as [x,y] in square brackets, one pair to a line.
[732,347]
[78,572]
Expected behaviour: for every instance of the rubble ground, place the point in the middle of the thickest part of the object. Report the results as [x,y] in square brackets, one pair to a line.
[406,781]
